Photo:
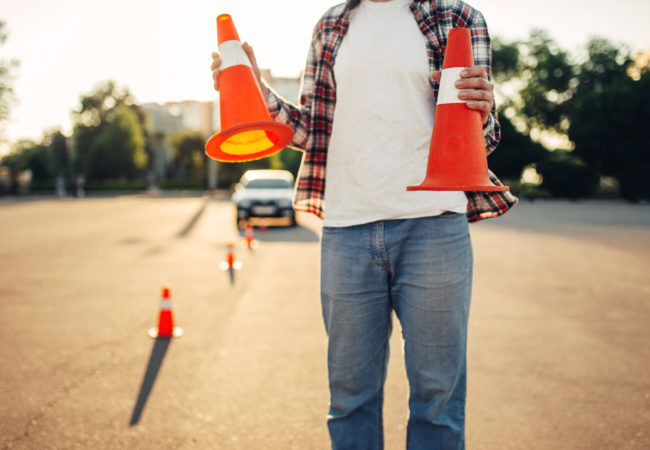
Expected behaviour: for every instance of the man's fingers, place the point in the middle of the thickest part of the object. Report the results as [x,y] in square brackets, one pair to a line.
[251,55]
[474,83]
[475,71]
[216,60]
[476,94]
[216,63]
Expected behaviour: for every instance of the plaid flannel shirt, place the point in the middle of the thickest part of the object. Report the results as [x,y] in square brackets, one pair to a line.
[312,119]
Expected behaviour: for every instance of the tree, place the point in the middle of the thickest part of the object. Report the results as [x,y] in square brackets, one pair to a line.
[7,98]
[516,151]
[547,74]
[119,150]
[29,155]
[593,103]
[606,65]
[564,175]
[109,136]
[290,160]
[189,159]
[610,130]
[59,152]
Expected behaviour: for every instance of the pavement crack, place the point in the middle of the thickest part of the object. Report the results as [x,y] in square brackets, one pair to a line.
[32,422]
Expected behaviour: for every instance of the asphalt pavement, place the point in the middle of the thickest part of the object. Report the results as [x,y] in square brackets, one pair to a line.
[558,344]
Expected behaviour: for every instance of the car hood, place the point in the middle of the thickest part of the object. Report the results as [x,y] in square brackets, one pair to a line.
[262,194]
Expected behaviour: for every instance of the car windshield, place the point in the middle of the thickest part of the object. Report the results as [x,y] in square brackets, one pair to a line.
[269,183]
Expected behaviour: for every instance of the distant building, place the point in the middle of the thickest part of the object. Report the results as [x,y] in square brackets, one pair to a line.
[288,88]
[168,118]
[171,117]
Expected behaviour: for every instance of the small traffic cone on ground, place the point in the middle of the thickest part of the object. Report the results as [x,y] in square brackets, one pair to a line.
[231,264]
[457,156]
[166,328]
[249,236]
[263,226]
[247,131]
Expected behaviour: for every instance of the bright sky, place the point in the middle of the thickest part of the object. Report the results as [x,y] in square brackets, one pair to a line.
[160,49]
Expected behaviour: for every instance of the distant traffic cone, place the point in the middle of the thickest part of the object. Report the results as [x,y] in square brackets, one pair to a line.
[263,226]
[457,156]
[249,235]
[247,131]
[231,256]
[166,328]
[230,264]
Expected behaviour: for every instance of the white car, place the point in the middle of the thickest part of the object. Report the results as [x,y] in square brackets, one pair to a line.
[265,194]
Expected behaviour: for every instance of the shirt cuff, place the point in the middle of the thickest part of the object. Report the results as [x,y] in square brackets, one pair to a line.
[273,101]
[489,126]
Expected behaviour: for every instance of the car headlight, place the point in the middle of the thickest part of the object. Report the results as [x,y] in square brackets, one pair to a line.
[244,204]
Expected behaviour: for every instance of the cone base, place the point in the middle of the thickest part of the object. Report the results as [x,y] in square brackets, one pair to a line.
[248,141]
[153,333]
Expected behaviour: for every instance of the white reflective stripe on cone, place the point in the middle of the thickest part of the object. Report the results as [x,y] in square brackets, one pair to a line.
[233,54]
[448,92]
[165,304]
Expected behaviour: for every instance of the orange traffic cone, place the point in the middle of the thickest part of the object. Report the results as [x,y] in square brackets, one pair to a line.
[231,264]
[247,131]
[249,236]
[166,328]
[457,156]
[263,226]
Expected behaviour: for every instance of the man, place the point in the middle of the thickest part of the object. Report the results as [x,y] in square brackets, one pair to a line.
[364,121]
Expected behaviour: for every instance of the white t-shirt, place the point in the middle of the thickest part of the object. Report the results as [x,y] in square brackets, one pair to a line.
[383,121]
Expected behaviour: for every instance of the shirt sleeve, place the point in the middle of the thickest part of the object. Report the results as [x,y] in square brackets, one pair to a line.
[482,48]
[298,117]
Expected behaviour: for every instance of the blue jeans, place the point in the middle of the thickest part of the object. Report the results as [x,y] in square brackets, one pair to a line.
[422,269]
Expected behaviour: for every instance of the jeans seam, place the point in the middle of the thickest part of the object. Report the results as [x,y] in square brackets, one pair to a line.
[380,424]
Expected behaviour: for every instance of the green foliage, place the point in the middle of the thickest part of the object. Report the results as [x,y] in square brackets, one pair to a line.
[183,183]
[286,159]
[505,60]
[28,155]
[547,73]
[116,185]
[291,160]
[109,135]
[230,173]
[119,150]
[7,67]
[59,153]
[606,65]
[595,103]
[188,148]
[516,151]
[610,129]
[566,176]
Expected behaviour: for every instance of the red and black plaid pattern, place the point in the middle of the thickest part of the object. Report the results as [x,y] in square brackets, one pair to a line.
[312,119]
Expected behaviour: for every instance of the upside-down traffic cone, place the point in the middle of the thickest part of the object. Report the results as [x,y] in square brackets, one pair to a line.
[166,328]
[457,156]
[247,131]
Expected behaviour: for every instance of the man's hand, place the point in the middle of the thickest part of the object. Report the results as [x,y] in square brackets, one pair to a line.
[216,63]
[475,89]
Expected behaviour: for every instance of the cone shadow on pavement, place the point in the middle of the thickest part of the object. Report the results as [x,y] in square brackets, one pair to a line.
[187,229]
[158,352]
